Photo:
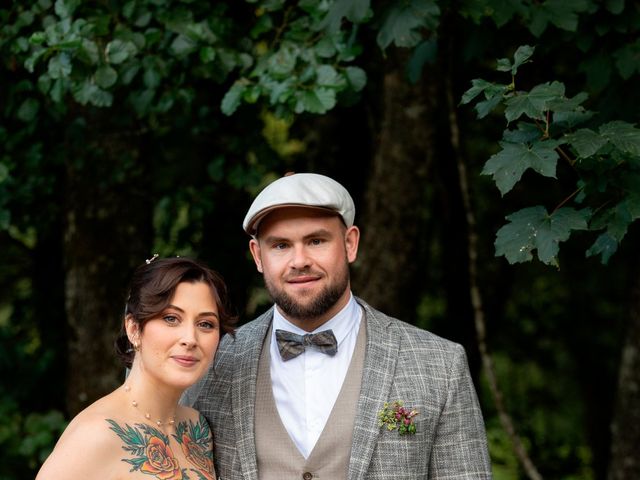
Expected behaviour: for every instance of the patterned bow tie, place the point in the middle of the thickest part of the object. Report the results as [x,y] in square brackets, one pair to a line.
[291,344]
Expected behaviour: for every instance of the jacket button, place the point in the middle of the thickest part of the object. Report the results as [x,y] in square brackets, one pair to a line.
[307,476]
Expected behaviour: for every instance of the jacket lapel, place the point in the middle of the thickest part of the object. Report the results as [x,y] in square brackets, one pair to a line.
[377,377]
[244,393]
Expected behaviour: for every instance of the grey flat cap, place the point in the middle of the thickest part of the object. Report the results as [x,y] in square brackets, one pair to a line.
[300,190]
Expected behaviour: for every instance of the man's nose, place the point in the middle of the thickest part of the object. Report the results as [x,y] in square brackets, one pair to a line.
[300,257]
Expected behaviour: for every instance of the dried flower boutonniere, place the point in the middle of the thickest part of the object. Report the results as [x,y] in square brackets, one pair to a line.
[396,417]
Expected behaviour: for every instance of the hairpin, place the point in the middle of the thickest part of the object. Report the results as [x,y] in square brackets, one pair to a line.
[155,255]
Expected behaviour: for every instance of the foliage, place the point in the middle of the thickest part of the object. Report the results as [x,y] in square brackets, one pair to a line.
[604,157]
[26,440]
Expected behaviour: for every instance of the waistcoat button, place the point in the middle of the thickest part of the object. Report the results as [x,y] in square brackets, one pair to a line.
[307,476]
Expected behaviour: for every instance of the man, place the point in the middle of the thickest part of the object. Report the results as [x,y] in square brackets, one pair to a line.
[371,397]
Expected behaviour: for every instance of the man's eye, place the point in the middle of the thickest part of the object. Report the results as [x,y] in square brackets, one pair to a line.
[280,246]
[317,241]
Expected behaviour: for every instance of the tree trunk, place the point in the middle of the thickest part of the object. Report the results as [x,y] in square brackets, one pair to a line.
[625,430]
[386,273]
[107,233]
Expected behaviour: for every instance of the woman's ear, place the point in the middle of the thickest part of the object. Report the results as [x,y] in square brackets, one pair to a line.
[133,330]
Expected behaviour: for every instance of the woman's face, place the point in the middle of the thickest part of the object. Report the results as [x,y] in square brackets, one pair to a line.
[177,346]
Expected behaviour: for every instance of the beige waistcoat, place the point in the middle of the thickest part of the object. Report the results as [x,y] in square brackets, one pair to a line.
[278,457]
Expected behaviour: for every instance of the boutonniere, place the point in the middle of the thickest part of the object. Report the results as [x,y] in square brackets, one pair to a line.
[396,417]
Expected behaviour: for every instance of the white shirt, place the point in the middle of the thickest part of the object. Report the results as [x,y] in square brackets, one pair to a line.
[306,387]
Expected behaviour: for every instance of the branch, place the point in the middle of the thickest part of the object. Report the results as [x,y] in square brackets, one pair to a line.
[476,297]
[563,202]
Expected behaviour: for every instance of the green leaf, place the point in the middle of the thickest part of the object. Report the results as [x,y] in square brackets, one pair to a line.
[563,104]
[492,92]
[586,142]
[605,246]
[623,135]
[128,72]
[152,77]
[86,92]
[182,46]
[503,65]
[141,101]
[326,47]
[30,62]
[282,63]
[4,172]
[232,98]
[615,6]
[478,86]
[28,110]
[508,165]
[485,107]
[616,220]
[404,20]
[424,53]
[534,103]
[356,11]
[525,133]
[534,229]
[65,8]
[539,21]
[357,78]
[318,100]
[58,89]
[5,219]
[37,38]
[88,52]
[520,57]
[564,13]
[598,68]
[279,92]
[628,59]
[207,54]
[60,65]
[117,51]
[327,76]
[106,76]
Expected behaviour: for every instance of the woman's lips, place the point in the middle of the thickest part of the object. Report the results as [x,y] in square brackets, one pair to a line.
[185,361]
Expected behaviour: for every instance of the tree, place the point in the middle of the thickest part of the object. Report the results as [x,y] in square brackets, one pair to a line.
[605,159]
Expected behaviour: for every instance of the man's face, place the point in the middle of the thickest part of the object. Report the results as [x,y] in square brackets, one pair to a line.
[304,255]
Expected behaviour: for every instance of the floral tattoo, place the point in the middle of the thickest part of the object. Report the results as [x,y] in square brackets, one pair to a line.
[152,454]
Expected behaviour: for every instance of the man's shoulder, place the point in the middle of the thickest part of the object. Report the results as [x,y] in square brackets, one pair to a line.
[249,331]
[408,334]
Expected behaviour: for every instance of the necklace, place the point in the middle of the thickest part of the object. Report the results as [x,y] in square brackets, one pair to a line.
[147,415]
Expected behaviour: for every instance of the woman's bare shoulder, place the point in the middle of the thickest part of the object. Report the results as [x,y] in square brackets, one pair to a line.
[87,446]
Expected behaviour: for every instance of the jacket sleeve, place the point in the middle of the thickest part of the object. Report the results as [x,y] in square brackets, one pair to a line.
[460,445]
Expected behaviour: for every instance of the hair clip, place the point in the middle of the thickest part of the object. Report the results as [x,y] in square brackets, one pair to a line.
[155,255]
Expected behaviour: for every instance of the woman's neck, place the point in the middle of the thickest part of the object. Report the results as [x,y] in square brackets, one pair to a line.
[155,401]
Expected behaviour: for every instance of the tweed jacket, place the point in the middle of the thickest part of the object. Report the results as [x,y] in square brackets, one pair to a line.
[402,362]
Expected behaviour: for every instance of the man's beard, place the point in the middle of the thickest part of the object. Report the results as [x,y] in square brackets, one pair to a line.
[317,306]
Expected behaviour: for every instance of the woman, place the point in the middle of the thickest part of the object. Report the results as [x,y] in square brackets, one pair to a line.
[174,316]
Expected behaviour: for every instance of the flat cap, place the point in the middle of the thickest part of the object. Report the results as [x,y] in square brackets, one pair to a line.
[300,190]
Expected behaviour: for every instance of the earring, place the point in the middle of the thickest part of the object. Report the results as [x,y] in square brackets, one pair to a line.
[136,346]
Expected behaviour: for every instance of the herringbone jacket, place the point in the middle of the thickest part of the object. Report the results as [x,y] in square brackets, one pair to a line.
[402,362]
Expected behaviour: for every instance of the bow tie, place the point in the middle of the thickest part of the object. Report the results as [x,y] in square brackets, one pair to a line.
[291,344]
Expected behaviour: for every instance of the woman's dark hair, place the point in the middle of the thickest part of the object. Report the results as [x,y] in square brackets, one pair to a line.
[152,287]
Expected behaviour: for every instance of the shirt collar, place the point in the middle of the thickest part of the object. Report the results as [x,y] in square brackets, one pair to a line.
[342,323]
